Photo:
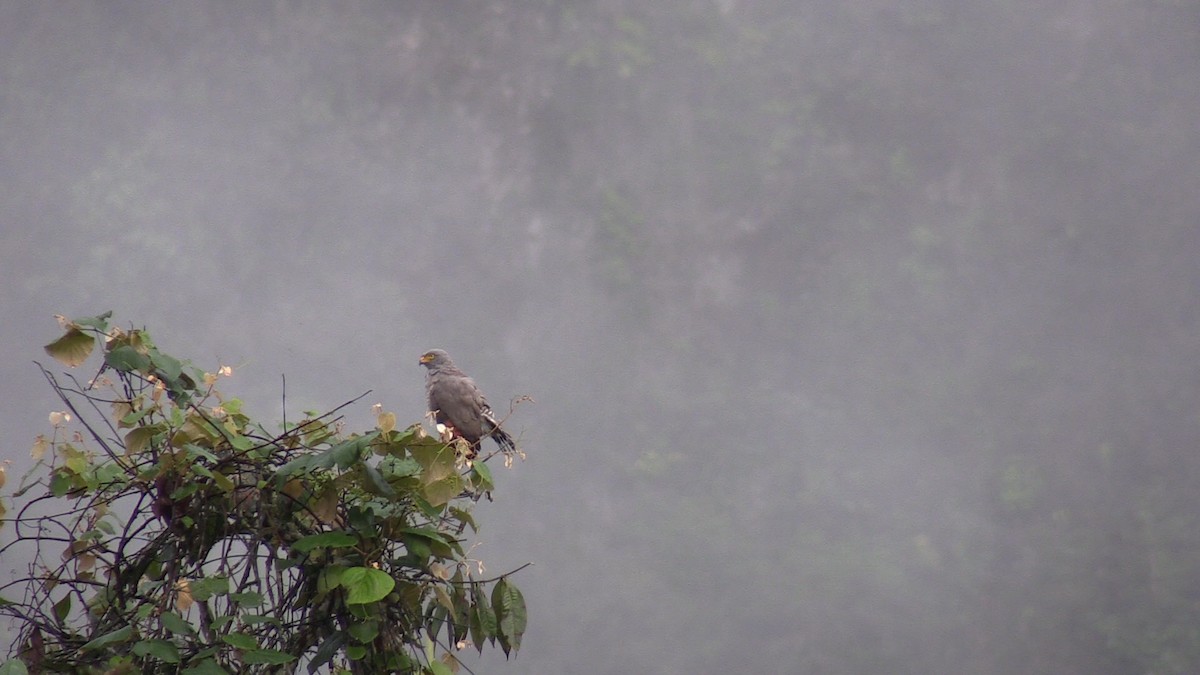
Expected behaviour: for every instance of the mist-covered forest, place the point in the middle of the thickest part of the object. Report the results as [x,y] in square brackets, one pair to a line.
[864,336]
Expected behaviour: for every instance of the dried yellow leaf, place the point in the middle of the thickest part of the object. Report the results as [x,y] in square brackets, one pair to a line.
[39,448]
[325,508]
[72,348]
[120,410]
[443,598]
[293,488]
[439,570]
[183,595]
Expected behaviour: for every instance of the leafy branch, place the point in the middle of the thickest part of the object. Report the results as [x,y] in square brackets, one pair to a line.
[176,534]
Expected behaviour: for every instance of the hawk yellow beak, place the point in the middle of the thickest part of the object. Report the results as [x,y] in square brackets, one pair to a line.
[426,358]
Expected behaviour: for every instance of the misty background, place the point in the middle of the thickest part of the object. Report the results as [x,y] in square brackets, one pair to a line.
[863,335]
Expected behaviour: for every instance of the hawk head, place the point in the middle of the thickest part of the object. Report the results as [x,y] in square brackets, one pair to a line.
[435,358]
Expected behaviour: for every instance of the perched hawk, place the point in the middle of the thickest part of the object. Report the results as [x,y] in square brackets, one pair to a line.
[457,403]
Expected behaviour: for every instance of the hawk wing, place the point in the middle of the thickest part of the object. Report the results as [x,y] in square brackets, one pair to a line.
[460,404]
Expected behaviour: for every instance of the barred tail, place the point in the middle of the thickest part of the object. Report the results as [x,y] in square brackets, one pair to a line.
[506,442]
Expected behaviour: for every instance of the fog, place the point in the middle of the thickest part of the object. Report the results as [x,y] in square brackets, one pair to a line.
[863,337]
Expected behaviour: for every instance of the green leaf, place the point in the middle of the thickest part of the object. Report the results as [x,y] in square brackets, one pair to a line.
[364,632]
[363,520]
[395,442]
[436,459]
[250,598]
[60,483]
[138,438]
[434,541]
[256,619]
[13,667]
[460,607]
[483,477]
[356,652]
[324,540]
[62,608]
[442,491]
[174,623]
[348,453]
[183,491]
[159,649]
[224,483]
[168,366]
[194,451]
[366,584]
[240,640]
[241,443]
[72,348]
[375,484]
[170,370]
[418,549]
[134,417]
[206,667]
[127,359]
[110,474]
[483,619]
[115,637]
[331,577]
[299,465]
[78,464]
[430,511]
[511,617]
[325,653]
[99,322]
[399,467]
[437,619]
[439,668]
[465,517]
[203,589]
[267,656]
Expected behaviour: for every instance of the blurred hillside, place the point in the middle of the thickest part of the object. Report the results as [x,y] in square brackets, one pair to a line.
[863,337]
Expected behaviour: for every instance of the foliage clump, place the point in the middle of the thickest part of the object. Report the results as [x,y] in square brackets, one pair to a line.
[177,534]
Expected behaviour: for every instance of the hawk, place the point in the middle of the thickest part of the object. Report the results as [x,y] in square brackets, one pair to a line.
[457,403]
